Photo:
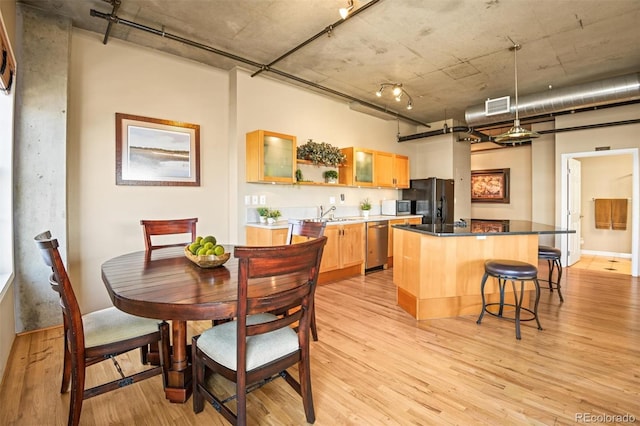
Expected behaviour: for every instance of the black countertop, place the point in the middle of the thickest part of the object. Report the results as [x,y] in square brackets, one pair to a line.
[475,227]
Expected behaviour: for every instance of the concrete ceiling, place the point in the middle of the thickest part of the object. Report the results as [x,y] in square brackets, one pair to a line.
[448,54]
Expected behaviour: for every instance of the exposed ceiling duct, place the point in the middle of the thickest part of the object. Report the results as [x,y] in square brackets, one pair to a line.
[612,90]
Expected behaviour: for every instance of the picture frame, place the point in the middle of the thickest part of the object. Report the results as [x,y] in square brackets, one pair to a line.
[156,152]
[485,226]
[490,186]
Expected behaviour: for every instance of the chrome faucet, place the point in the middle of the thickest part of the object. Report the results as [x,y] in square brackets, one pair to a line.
[323,213]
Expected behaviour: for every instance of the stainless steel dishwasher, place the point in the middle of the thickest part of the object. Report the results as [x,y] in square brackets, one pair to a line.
[377,244]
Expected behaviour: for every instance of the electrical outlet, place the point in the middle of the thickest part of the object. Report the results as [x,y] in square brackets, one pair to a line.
[254,200]
[263,200]
[247,200]
[332,200]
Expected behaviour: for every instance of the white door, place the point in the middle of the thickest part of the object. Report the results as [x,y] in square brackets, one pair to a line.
[574,216]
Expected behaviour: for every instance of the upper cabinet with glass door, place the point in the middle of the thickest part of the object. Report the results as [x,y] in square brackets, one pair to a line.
[271,157]
[358,170]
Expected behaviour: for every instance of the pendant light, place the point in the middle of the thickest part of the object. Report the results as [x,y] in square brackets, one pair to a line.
[516,134]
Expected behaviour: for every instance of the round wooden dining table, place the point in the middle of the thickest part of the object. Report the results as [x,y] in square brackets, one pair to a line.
[164,284]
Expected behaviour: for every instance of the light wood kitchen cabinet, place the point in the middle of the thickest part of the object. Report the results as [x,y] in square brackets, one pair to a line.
[401,171]
[391,170]
[266,237]
[404,221]
[359,168]
[344,248]
[270,157]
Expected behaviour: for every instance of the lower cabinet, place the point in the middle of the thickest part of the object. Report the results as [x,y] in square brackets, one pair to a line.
[265,236]
[344,248]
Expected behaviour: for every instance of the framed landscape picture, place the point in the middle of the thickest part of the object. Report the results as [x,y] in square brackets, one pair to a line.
[490,186]
[151,151]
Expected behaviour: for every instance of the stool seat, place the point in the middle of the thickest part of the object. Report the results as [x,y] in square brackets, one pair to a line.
[548,252]
[510,269]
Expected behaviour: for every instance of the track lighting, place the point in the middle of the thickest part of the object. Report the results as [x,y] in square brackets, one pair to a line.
[397,91]
[344,11]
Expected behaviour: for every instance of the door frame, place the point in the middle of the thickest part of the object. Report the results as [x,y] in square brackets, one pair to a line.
[635,200]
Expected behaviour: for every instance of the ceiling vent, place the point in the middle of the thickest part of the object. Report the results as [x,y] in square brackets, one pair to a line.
[497,106]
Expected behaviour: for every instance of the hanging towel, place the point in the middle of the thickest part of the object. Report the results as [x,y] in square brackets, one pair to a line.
[603,213]
[619,214]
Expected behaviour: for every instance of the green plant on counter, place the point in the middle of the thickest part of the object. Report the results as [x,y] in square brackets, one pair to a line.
[365,204]
[321,153]
[274,214]
[263,211]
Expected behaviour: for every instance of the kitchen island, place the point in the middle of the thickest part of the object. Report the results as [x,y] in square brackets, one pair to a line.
[438,268]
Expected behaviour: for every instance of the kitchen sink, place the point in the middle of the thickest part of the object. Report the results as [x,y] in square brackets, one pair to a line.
[335,219]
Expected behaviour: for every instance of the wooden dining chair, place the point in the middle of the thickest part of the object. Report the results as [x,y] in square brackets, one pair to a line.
[94,337]
[259,346]
[303,230]
[155,228]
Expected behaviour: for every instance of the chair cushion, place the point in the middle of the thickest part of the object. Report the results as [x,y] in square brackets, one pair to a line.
[112,325]
[220,343]
[549,252]
[510,269]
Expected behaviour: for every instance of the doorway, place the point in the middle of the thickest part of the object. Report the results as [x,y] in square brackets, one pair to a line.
[567,186]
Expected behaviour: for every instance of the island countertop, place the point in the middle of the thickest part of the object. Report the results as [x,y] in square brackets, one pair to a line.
[477,227]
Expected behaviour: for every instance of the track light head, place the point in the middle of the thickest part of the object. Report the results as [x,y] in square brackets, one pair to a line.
[397,90]
[344,11]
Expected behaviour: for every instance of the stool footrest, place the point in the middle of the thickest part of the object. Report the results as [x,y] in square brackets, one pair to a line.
[496,314]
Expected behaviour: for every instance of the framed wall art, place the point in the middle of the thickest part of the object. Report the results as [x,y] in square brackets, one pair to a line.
[490,186]
[484,226]
[151,151]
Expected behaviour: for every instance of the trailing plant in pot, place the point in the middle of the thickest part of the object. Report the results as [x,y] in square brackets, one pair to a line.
[321,153]
[365,206]
[330,176]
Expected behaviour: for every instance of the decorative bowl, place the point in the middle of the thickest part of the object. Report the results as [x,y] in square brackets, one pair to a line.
[210,261]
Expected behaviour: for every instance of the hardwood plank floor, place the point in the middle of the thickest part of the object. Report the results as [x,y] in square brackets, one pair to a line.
[376,365]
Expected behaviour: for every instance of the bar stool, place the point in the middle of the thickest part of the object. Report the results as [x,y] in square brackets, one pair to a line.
[552,256]
[511,270]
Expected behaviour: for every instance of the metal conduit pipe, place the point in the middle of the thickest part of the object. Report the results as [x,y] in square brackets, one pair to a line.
[162,33]
[612,90]
[446,129]
[326,30]
[486,138]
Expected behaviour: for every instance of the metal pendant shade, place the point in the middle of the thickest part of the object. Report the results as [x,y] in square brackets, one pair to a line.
[515,134]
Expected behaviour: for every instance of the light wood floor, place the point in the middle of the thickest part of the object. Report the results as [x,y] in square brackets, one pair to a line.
[375,365]
[617,265]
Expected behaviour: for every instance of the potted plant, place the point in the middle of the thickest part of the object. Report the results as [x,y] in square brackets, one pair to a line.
[330,176]
[365,206]
[273,216]
[263,212]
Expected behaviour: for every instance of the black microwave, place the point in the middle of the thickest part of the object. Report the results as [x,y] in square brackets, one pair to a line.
[396,207]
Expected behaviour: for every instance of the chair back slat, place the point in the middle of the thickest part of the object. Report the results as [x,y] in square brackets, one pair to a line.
[304,229]
[153,228]
[60,282]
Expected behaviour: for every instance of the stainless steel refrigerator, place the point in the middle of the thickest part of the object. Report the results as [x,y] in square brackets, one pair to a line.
[432,198]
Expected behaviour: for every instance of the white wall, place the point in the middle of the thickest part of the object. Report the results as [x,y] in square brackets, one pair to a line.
[104,218]
[518,160]
[605,177]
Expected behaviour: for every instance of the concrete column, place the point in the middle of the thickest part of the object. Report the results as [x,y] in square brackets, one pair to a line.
[40,159]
